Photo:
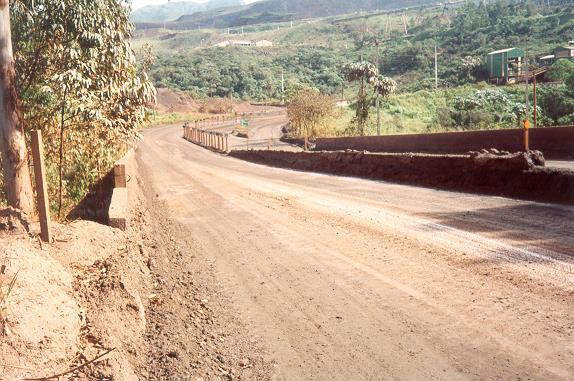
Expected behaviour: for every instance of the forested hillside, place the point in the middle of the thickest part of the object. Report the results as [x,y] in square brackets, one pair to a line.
[312,54]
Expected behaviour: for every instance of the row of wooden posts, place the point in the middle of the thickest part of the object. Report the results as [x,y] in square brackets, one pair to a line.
[217,141]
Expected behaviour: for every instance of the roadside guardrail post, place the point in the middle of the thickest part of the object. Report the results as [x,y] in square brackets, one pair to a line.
[41,188]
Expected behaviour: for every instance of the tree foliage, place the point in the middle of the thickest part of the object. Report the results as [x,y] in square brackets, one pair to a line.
[367,73]
[308,112]
[248,74]
[561,70]
[79,84]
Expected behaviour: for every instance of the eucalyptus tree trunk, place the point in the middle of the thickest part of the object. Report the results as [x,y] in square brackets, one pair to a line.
[18,186]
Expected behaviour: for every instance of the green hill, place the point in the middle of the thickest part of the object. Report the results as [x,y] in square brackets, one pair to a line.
[282,10]
[174,10]
[311,53]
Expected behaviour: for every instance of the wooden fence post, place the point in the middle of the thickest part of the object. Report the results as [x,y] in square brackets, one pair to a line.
[41,188]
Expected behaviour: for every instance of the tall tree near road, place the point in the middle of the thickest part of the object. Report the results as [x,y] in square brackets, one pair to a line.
[18,186]
[79,83]
[367,73]
[363,72]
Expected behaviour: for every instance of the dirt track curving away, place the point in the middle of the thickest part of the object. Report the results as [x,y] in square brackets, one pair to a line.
[342,278]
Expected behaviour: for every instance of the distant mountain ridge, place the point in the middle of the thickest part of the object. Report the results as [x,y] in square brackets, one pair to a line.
[173,10]
[280,10]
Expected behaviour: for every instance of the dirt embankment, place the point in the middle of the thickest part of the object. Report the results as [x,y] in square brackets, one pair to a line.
[72,300]
[509,175]
[176,101]
[139,294]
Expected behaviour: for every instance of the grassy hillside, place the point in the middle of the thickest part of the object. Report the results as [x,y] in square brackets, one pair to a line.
[281,11]
[171,11]
[313,52]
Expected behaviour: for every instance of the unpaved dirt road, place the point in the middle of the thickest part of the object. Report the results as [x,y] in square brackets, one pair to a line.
[348,279]
[264,131]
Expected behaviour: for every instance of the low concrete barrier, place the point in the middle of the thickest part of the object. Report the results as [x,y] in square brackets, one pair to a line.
[495,176]
[118,210]
[555,142]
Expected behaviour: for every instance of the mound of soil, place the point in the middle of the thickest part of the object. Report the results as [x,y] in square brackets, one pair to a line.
[511,175]
[169,100]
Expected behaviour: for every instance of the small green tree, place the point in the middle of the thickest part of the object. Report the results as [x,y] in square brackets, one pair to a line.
[367,73]
[363,72]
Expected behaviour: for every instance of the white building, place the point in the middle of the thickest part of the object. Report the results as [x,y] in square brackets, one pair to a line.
[241,43]
[264,44]
[223,44]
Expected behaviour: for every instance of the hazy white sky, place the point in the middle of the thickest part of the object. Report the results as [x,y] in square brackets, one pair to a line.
[140,3]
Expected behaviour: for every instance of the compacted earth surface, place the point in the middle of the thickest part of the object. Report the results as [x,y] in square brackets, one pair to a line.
[342,278]
[233,270]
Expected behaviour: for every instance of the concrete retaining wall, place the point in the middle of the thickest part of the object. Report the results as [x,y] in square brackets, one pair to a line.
[554,142]
[461,173]
[118,210]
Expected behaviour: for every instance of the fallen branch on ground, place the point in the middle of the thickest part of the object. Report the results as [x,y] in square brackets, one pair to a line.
[71,370]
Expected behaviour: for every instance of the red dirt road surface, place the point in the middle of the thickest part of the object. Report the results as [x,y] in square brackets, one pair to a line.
[348,279]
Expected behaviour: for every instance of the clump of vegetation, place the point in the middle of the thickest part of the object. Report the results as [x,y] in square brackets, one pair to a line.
[4,297]
[309,112]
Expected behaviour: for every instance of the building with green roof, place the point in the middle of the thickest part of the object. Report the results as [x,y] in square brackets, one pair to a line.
[505,65]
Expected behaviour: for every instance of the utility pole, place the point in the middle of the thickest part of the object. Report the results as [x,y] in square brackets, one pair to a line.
[526,93]
[435,69]
[405,24]
[535,114]
[378,101]
[342,96]
[527,110]
[378,113]
[282,87]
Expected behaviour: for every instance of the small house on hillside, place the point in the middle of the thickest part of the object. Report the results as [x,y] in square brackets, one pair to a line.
[505,65]
[264,44]
[564,52]
[547,60]
[241,43]
[222,44]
